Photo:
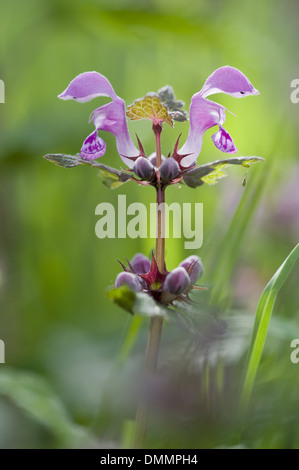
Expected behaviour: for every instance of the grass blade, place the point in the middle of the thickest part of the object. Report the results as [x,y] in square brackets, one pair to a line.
[234,238]
[262,319]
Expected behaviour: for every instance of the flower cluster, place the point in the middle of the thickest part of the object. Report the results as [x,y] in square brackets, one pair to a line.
[144,275]
[204,114]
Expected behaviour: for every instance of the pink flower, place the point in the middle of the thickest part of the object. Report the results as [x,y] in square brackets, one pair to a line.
[204,114]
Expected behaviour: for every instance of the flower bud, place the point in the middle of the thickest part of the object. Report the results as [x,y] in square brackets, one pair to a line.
[141,264]
[169,169]
[193,266]
[153,159]
[177,281]
[143,168]
[131,280]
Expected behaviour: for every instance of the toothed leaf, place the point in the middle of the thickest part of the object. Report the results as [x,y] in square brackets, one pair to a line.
[150,107]
[67,161]
[210,173]
[111,177]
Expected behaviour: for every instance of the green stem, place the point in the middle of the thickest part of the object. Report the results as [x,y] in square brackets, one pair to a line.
[156,323]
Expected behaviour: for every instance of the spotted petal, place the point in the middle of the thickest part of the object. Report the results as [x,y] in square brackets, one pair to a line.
[228,80]
[87,86]
[223,141]
[93,147]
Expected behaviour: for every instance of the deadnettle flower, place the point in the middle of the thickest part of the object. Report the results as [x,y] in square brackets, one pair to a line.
[204,114]
[111,117]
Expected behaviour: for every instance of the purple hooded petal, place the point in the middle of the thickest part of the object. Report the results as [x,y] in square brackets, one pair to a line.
[228,80]
[169,169]
[87,86]
[93,147]
[143,168]
[112,118]
[223,141]
[193,266]
[130,280]
[177,281]
[141,264]
[204,114]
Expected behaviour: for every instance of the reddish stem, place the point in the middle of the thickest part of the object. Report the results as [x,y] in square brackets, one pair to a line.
[156,323]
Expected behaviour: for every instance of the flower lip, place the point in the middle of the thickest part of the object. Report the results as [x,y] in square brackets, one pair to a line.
[87,86]
[223,141]
[228,80]
[93,147]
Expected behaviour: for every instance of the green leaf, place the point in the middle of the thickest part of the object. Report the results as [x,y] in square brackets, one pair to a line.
[210,173]
[124,297]
[149,107]
[111,180]
[34,396]
[138,303]
[67,161]
[111,177]
[262,319]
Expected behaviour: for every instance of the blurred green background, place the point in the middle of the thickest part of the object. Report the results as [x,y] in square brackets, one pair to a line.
[62,334]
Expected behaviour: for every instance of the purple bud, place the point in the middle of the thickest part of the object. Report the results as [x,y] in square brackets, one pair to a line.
[131,280]
[153,159]
[141,264]
[193,266]
[143,168]
[169,169]
[177,281]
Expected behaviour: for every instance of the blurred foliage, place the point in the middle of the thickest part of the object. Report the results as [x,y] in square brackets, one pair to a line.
[58,325]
